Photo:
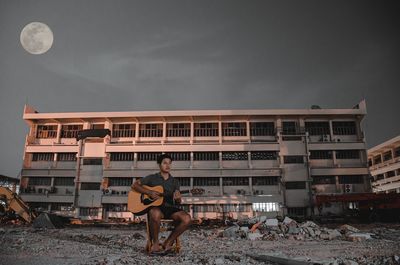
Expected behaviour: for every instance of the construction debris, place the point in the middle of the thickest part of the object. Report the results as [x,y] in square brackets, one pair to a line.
[236,244]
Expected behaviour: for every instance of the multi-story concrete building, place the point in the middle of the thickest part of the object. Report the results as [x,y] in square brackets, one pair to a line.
[384,165]
[249,162]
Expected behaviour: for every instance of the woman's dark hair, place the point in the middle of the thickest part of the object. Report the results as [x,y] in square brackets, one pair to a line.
[160,158]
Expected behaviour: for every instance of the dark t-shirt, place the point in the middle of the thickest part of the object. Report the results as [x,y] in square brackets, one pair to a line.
[170,185]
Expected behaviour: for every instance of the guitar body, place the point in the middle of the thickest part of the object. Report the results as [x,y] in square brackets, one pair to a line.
[139,203]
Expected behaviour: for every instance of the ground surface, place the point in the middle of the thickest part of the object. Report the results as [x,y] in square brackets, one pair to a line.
[125,245]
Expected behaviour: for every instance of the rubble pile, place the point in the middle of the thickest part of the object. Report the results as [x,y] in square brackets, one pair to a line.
[271,229]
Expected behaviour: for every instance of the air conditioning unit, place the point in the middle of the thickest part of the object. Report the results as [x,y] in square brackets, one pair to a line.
[107,191]
[348,188]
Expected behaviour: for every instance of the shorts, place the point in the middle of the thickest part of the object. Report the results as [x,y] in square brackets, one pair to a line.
[168,210]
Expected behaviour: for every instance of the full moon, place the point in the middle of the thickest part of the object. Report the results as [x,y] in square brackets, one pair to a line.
[36,38]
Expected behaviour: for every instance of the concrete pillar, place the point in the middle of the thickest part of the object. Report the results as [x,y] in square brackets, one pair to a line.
[59,126]
[221,188]
[191,132]
[164,133]
[136,133]
[251,185]
[220,131]
[330,130]
[248,131]
[191,160]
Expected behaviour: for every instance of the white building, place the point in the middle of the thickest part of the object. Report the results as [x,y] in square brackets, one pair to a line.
[260,161]
[384,165]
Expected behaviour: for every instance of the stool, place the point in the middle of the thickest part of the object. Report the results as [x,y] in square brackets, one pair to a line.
[166,225]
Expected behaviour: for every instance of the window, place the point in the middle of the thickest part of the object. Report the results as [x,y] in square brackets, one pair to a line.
[39,205]
[297,211]
[70,131]
[370,162]
[39,181]
[320,154]
[264,181]
[290,128]
[46,131]
[206,156]
[262,129]
[148,156]
[347,154]
[180,156]
[387,156]
[317,128]
[264,155]
[293,159]
[206,129]
[265,207]
[185,182]
[390,174]
[397,152]
[344,127]
[323,180]
[377,159]
[97,126]
[235,181]
[124,130]
[115,207]
[234,129]
[90,186]
[92,161]
[234,156]
[120,181]
[236,207]
[122,156]
[42,156]
[295,185]
[66,157]
[151,130]
[64,181]
[206,181]
[84,211]
[351,179]
[178,129]
[380,176]
[59,206]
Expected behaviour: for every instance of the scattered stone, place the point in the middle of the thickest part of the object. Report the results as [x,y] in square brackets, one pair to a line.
[271,222]
[348,228]
[358,237]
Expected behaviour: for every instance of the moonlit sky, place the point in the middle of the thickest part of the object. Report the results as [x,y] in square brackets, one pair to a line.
[180,55]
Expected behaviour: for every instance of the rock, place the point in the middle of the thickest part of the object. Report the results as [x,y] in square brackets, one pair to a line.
[309,224]
[359,236]
[288,220]
[271,222]
[349,262]
[230,231]
[2,230]
[254,236]
[244,229]
[334,234]
[219,261]
[293,230]
[346,228]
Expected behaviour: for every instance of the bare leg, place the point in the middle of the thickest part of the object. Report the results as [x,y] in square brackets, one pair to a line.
[183,219]
[155,215]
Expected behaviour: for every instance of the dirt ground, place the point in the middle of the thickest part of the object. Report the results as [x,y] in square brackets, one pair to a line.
[200,245]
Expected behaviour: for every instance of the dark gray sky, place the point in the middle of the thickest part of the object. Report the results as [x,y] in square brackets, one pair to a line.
[174,55]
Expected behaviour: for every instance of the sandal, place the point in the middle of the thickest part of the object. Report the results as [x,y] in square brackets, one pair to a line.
[157,253]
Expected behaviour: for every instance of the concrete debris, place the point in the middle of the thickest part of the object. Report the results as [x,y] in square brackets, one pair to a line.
[359,236]
[271,222]
[348,228]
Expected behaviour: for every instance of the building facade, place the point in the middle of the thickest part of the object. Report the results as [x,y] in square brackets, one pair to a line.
[249,162]
[384,165]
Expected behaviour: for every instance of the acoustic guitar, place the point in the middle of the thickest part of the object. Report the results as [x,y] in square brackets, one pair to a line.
[139,203]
